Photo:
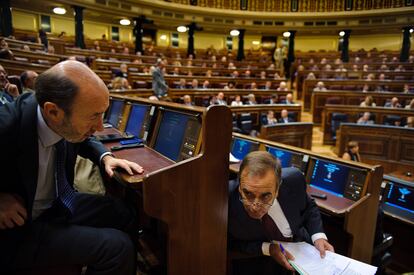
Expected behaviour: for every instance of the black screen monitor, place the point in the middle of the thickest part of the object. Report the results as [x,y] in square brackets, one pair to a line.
[115,112]
[177,135]
[337,178]
[137,120]
[398,198]
[241,147]
[289,158]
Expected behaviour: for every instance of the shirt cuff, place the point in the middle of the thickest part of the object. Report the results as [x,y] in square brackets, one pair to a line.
[103,155]
[266,249]
[318,236]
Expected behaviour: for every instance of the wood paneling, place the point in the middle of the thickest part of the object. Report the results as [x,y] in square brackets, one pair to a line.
[297,134]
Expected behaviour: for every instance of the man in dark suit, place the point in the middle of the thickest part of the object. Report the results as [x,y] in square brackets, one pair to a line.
[43,221]
[270,204]
[159,87]
[284,117]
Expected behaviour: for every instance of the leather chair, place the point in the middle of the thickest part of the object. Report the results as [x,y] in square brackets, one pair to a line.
[245,123]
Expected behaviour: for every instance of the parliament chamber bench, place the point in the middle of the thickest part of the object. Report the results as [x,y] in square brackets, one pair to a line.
[349,85]
[14,67]
[201,97]
[322,75]
[389,146]
[184,184]
[254,114]
[298,134]
[349,212]
[334,115]
[38,57]
[103,64]
[321,98]
[14,43]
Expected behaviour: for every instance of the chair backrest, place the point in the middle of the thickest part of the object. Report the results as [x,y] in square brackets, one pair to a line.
[391,119]
[245,123]
[337,119]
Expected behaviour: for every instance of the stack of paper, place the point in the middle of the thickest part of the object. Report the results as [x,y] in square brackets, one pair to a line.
[308,261]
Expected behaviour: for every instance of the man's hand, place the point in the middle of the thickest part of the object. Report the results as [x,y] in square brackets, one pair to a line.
[280,257]
[11,89]
[12,211]
[112,163]
[322,245]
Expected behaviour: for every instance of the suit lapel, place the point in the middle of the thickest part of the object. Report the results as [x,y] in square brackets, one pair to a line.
[285,199]
[29,151]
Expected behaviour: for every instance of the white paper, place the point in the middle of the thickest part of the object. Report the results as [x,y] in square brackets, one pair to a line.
[233,159]
[308,258]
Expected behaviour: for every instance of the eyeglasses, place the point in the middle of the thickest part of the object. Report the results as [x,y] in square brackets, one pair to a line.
[260,203]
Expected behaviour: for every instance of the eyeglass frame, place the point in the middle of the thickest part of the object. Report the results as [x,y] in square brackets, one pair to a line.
[258,203]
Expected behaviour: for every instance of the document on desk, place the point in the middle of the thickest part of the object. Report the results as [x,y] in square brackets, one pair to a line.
[233,159]
[309,262]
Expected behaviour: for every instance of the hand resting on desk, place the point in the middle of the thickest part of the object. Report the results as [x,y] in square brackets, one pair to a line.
[112,163]
[322,245]
[12,211]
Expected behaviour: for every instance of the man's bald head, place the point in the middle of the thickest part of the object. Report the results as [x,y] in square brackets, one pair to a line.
[66,82]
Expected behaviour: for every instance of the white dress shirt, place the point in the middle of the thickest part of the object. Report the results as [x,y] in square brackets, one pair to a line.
[276,213]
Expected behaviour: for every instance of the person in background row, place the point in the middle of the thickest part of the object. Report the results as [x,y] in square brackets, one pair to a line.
[5,52]
[368,102]
[268,85]
[410,122]
[237,101]
[352,152]
[251,100]
[284,117]
[270,118]
[123,71]
[120,83]
[410,105]
[187,100]
[42,39]
[289,99]
[206,84]
[394,103]
[8,91]
[365,119]
[282,87]
[28,78]
[320,86]
[194,84]
[220,99]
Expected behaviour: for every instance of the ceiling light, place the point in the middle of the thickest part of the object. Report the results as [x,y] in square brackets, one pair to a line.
[341,33]
[234,32]
[181,28]
[124,22]
[59,10]
[255,42]
[411,30]
[286,34]
[163,37]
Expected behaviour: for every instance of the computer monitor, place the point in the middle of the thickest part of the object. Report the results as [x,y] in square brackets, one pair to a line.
[336,178]
[138,118]
[115,112]
[289,158]
[241,147]
[177,135]
[398,198]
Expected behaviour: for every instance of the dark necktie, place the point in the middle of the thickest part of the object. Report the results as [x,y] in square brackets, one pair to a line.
[66,194]
[271,229]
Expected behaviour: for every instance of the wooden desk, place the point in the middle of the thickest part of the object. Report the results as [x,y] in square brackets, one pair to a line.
[350,225]
[190,196]
[353,113]
[297,134]
[349,84]
[388,146]
[17,67]
[320,98]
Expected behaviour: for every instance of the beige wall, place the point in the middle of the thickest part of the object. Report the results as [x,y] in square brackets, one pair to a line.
[315,43]
[25,20]
[60,24]
[381,42]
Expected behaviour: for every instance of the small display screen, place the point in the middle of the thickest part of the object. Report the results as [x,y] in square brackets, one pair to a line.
[400,196]
[285,157]
[241,147]
[329,176]
[171,134]
[136,119]
[115,112]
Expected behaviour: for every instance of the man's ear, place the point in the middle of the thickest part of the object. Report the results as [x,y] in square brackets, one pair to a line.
[52,112]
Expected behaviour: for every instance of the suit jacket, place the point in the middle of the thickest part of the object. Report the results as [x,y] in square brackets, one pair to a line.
[19,158]
[158,83]
[247,235]
[282,121]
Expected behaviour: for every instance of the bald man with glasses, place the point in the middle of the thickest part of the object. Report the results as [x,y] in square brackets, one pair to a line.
[270,204]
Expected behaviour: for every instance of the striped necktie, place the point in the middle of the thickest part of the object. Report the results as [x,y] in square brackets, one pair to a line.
[66,194]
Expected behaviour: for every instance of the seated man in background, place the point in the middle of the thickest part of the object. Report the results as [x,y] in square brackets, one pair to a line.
[394,103]
[5,52]
[289,99]
[187,100]
[271,204]
[270,118]
[27,78]
[352,151]
[8,91]
[284,117]
[365,119]
[44,222]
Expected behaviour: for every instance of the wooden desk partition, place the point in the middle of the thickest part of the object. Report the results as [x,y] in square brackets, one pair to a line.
[354,113]
[350,225]
[348,84]
[297,134]
[389,146]
[320,98]
[190,196]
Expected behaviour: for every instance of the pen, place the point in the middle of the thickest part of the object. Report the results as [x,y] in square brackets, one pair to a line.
[282,249]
